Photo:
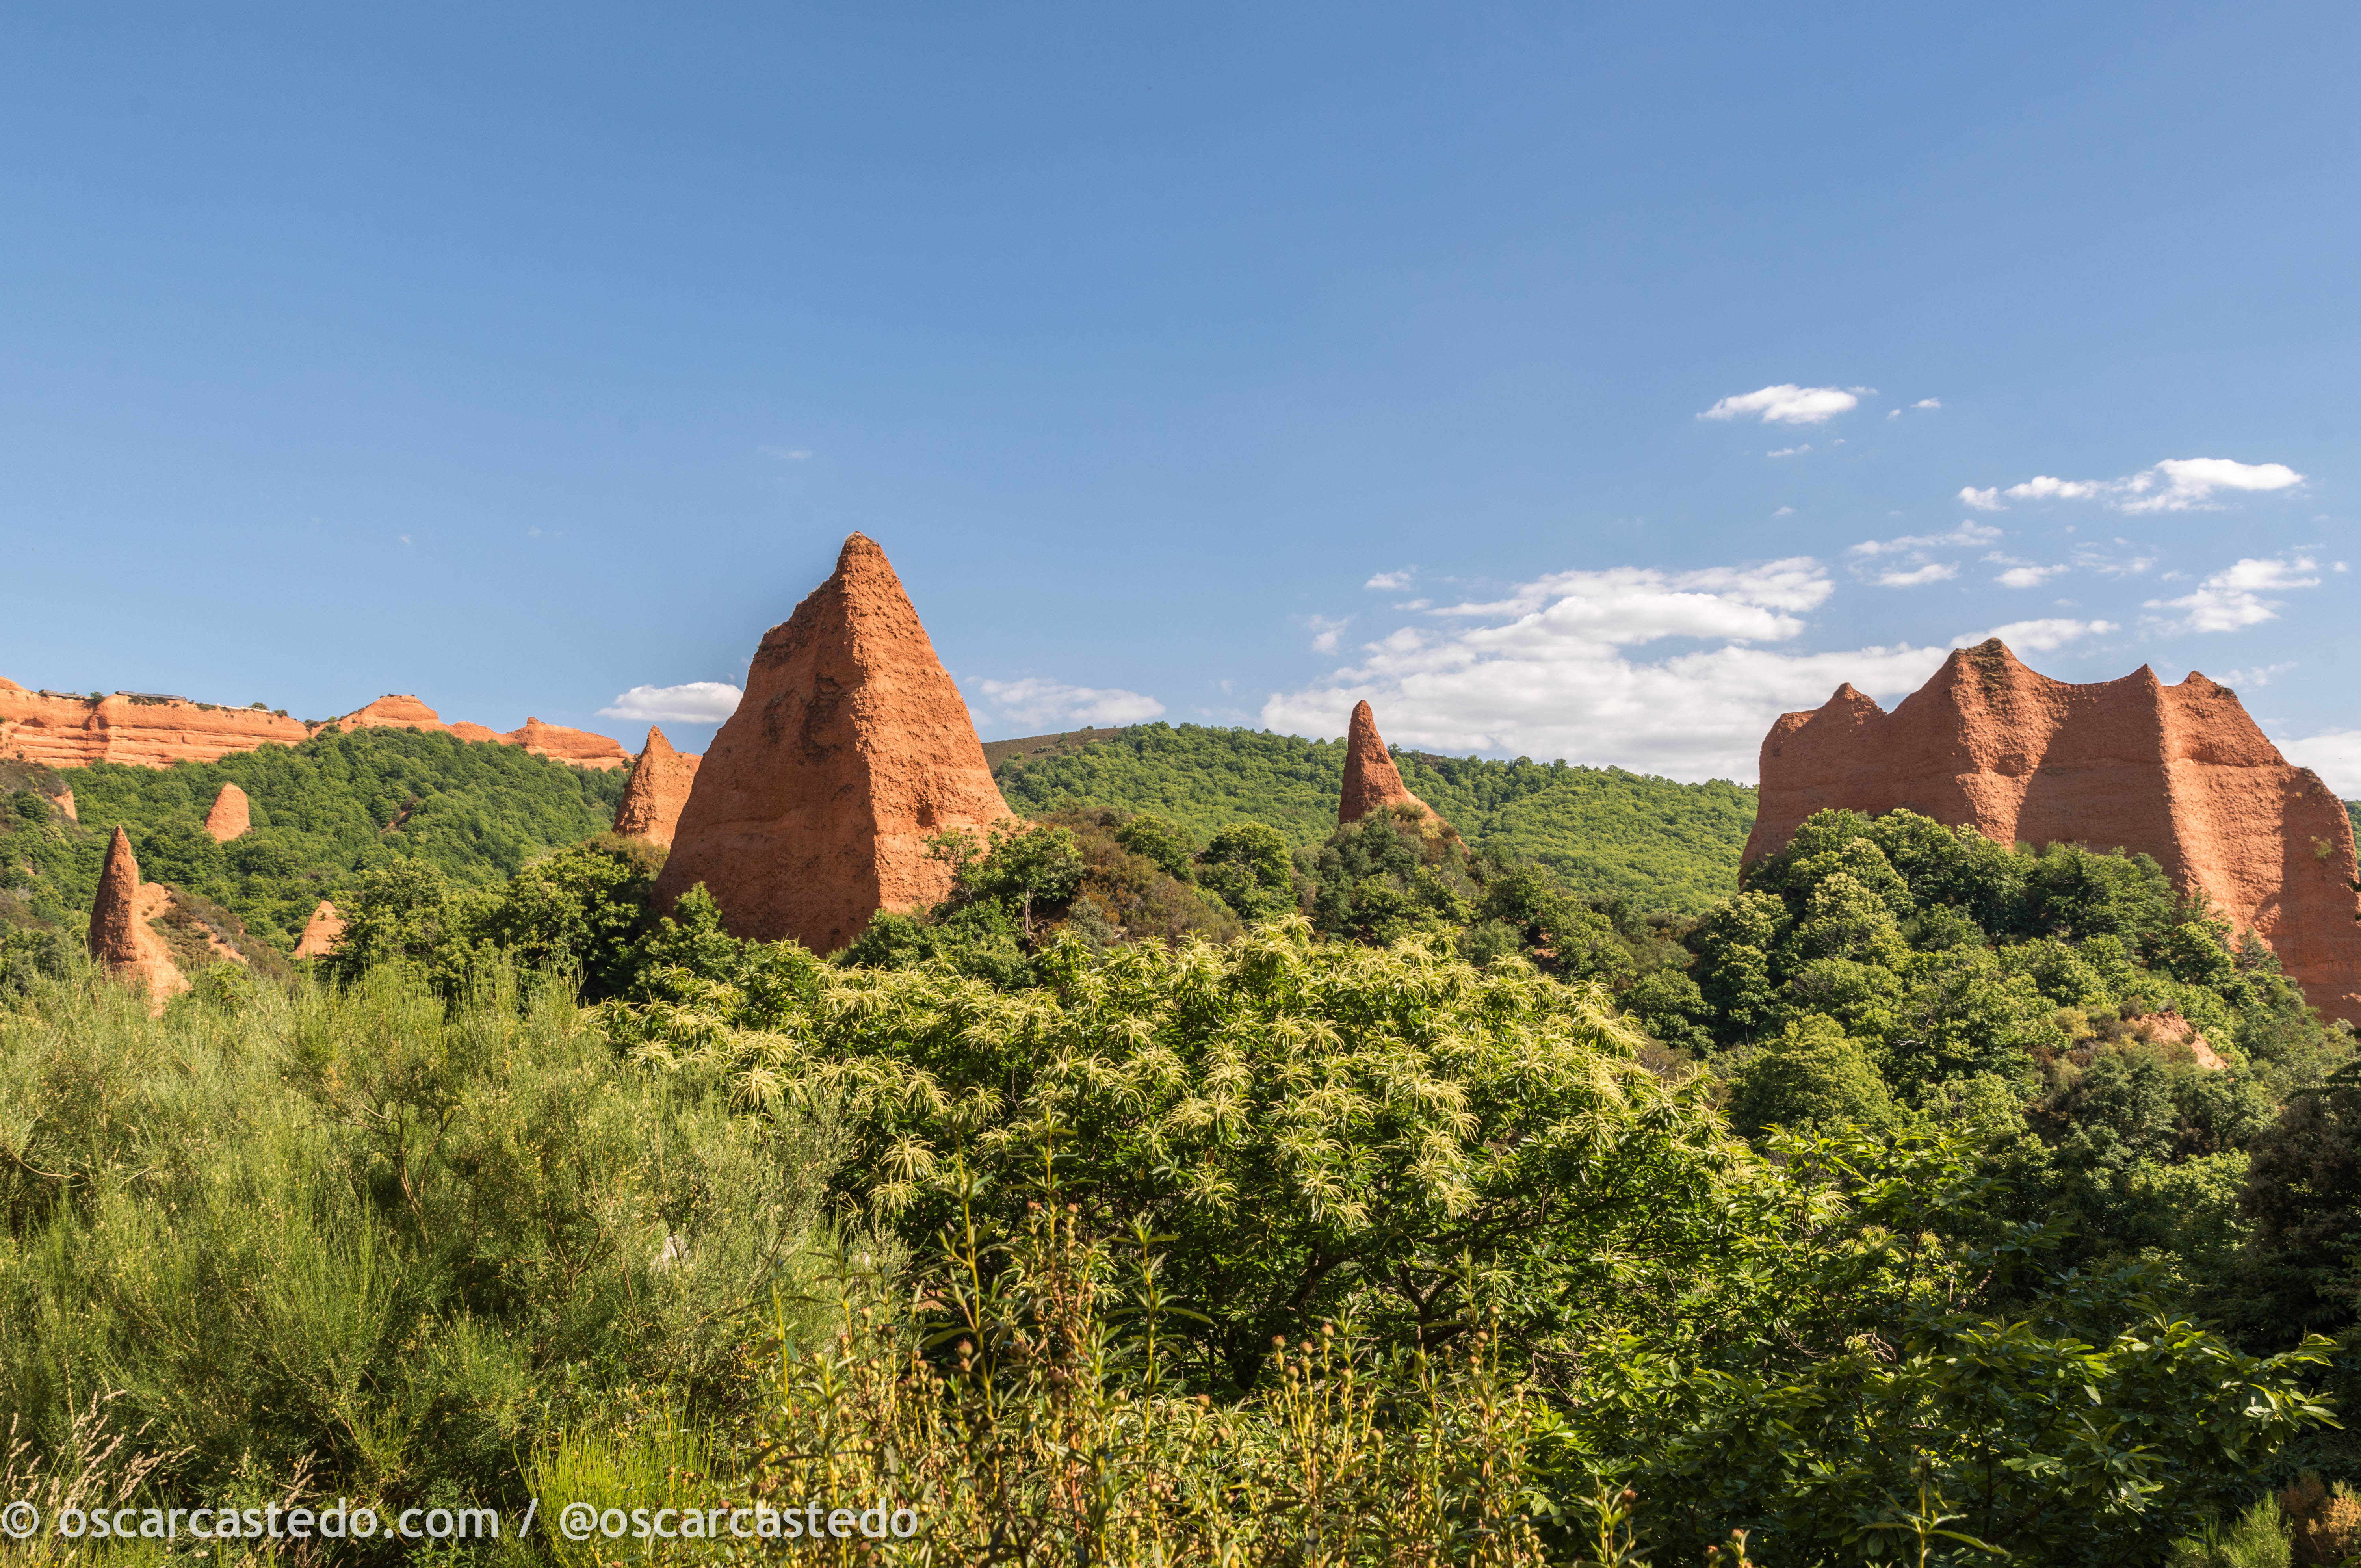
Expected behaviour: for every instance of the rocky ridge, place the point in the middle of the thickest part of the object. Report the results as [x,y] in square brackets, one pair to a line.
[2179,772]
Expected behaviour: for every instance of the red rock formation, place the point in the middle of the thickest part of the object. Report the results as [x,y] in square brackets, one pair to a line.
[2175,1030]
[850,747]
[229,817]
[659,787]
[579,747]
[67,731]
[320,933]
[1372,783]
[119,934]
[2179,772]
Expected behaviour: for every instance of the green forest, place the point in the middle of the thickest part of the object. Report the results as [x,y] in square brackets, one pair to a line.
[1204,1181]
[1661,844]
[323,811]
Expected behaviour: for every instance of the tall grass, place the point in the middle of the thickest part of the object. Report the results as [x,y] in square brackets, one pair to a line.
[369,1238]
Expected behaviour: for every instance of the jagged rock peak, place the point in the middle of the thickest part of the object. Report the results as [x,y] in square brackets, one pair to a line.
[1372,783]
[659,787]
[851,749]
[231,816]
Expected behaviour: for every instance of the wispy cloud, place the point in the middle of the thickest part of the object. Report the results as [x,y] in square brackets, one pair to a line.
[1916,576]
[1789,451]
[1039,702]
[2259,676]
[2177,484]
[693,701]
[1927,403]
[2021,573]
[2334,755]
[1968,534]
[786,454]
[2232,598]
[1326,632]
[1391,580]
[2039,636]
[1790,404]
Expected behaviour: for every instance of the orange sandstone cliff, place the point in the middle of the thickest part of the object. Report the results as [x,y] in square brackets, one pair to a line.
[120,936]
[231,816]
[1372,783]
[659,787]
[579,747]
[67,731]
[2179,772]
[811,810]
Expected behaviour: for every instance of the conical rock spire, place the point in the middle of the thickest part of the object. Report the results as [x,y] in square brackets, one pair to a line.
[119,934]
[658,789]
[850,749]
[1372,783]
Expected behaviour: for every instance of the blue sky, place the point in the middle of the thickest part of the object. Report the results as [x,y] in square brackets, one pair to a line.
[1225,364]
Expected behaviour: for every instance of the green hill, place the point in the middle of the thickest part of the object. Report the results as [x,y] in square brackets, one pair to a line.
[322,811]
[1661,844]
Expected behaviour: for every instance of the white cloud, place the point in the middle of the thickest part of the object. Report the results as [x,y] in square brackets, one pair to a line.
[1326,632]
[1548,670]
[1790,404]
[1790,511]
[1927,403]
[1911,577]
[1789,451]
[1388,580]
[2232,598]
[2334,755]
[787,454]
[2177,484]
[2022,574]
[1967,533]
[2261,675]
[1894,414]
[1035,701]
[695,702]
[2113,566]
[2039,636]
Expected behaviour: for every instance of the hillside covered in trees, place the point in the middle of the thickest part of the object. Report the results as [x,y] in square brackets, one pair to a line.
[1655,842]
[322,812]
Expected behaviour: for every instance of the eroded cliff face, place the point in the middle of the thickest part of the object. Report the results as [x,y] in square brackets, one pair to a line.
[579,747]
[68,732]
[2179,772]
[1372,783]
[851,746]
[658,789]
